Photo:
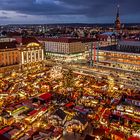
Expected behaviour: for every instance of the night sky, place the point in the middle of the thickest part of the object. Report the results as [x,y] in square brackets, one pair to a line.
[68,11]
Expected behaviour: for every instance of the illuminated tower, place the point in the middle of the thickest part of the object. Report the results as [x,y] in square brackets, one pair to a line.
[117,21]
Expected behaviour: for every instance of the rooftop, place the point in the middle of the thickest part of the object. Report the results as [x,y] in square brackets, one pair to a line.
[60,113]
[67,40]
[26,40]
[109,33]
[130,43]
[80,118]
[8,45]
[115,49]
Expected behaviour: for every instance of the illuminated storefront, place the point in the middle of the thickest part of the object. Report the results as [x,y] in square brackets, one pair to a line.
[125,56]
[67,49]
[127,61]
[67,58]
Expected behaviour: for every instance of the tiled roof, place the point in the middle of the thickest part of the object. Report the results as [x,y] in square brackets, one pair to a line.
[116,49]
[130,43]
[81,119]
[67,40]
[12,34]
[109,33]
[102,36]
[8,45]
[60,113]
[26,40]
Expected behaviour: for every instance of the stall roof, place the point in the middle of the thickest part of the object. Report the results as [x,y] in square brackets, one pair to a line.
[88,137]
[81,109]
[98,131]
[130,43]
[69,104]
[120,134]
[60,113]
[133,138]
[4,130]
[80,118]
[46,96]
[32,112]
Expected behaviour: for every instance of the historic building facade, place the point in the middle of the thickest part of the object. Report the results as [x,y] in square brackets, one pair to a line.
[9,54]
[20,53]
[107,38]
[31,53]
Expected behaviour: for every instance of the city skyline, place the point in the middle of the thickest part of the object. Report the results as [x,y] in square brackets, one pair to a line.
[69,69]
[68,11]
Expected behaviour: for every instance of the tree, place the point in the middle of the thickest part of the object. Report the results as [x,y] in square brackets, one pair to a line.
[68,79]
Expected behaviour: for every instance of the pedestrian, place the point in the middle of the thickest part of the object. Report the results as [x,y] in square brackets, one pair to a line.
[74,133]
[81,133]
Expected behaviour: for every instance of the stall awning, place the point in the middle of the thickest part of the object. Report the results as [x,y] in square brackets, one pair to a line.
[69,104]
[133,138]
[46,96]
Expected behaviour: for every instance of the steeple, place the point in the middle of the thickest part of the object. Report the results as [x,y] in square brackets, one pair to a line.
[117,21]
[118,10]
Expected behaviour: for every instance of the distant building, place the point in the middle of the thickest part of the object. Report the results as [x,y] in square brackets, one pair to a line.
[107,38]
[126,56]
[129,46]
[66,49]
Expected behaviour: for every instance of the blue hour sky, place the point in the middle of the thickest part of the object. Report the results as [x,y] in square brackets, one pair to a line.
[68,11]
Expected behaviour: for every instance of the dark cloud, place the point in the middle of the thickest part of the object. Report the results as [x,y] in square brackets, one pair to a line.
[23,16]
[3,17]
[4,13]
[92,9]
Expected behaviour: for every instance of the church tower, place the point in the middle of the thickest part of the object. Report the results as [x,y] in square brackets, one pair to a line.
[117,21]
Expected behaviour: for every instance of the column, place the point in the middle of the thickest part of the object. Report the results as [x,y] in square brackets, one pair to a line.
[97,52]
[22,58]
[35,55]
[91,55]
[31,56]
[38,57]
[4,61]
[8,53]
[10,58]
[94,52]
[27,57]
[42,54]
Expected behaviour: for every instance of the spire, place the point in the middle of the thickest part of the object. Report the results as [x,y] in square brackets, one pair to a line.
[118,11]
[117,21]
